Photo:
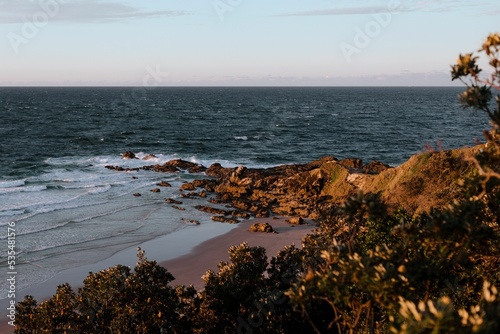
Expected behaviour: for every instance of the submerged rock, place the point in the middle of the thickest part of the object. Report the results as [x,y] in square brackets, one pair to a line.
[190,221]
[173,201]
[163,184]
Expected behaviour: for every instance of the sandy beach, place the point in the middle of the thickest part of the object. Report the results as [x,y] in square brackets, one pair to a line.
[187,254]
[189,268]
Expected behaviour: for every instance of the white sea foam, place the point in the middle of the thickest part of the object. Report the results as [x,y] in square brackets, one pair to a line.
[77,211]
[245,138]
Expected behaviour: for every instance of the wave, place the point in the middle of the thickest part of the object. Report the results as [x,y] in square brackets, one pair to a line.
[79,242]
[22,189]
[10,213]
[87,168]
[12,184]
[241,138]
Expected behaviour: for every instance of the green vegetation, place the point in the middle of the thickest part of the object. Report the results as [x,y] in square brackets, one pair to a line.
[364,270]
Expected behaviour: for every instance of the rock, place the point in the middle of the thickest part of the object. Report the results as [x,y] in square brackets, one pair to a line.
[262,214]
[351,163]
[149,157]
[190,221]
[178,208]
[179,164]
[375,167]
[210,209]
[128,155]
[165,168]
[121,169]
[261,227]
[223,219]
[187,186]
[190,195]
[137,195]
[240,214]
[216,170]
[199,183]
[215,201]
[163,184]
[232,189]
[197,169]
[172,201]
[296,221]
[240,170]
[155,190]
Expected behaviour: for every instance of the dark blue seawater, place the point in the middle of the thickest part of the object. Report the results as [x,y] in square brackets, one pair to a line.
[69,210]
[243,125]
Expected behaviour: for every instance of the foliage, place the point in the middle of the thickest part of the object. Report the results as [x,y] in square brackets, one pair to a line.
[114,300]
[443,255]
[479,88]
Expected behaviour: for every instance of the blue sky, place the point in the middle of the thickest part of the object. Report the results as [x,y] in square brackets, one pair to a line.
[238,42]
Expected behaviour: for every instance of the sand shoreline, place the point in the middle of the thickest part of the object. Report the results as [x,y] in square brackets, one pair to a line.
[188,254]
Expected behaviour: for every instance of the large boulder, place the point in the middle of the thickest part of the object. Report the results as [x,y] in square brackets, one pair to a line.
[261,227]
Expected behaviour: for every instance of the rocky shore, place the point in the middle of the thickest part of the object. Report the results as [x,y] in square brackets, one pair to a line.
[308,190]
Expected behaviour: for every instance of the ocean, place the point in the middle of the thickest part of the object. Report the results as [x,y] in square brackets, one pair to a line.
[69,210]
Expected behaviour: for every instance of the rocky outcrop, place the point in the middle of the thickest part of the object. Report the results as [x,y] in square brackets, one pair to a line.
[285,190]
[308,190]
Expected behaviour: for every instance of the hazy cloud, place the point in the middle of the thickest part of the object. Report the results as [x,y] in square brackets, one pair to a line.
[401,6]
[340,11]
[86,11]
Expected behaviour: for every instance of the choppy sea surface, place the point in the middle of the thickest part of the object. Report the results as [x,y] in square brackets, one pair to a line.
[69,210]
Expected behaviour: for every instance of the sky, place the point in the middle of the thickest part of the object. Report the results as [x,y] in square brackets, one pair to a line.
[239,42]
